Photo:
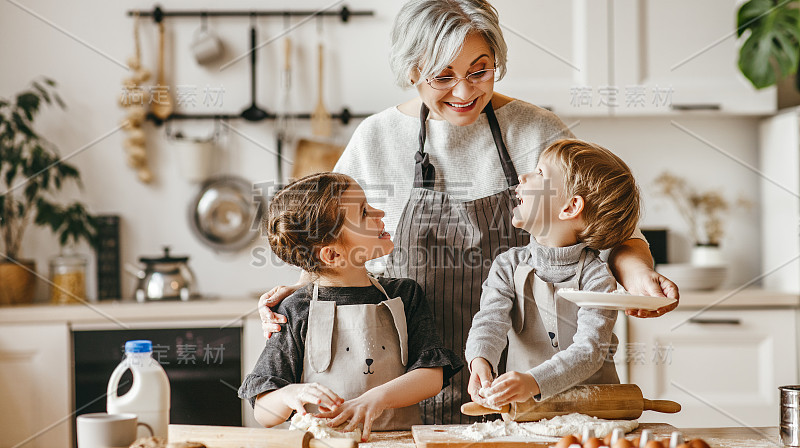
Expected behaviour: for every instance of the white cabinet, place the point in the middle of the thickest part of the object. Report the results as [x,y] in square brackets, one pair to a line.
[252,344]
[627,57]
[688,47]
[723,366]
[35,380]
[556,48]
[779,170]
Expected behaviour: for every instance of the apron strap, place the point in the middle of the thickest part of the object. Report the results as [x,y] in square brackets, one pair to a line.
[505,159]
[319,338]
[579,271]
[397,308]
[425,172]
[521,275]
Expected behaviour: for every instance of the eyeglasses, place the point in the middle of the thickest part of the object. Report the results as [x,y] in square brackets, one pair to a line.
[448,82]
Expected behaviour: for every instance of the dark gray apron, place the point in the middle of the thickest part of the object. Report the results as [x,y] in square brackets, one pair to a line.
[448,246]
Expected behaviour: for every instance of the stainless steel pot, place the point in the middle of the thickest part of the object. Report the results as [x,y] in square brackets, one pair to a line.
[165,278]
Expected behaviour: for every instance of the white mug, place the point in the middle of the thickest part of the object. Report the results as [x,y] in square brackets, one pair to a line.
[206,46]
[101,430]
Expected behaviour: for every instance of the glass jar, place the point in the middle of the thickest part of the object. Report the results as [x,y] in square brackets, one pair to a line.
[68,278]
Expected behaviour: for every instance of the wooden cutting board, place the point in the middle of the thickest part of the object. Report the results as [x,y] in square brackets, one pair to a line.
[447,436]
[238,437]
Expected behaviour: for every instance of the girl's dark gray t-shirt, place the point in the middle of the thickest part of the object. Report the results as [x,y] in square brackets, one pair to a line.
[281,361]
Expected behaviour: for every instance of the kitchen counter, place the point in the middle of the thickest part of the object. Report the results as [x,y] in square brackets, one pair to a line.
[238,308]
[716,437]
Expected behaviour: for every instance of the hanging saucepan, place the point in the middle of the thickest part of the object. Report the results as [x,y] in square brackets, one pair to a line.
[224,215]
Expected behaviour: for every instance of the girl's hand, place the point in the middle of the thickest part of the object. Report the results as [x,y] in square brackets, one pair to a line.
[480,377]
[297,395]
[512,387]
[365,408]
[650,283]
[269,320]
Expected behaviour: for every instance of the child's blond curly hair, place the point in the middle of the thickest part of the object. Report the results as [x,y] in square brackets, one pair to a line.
[606,184]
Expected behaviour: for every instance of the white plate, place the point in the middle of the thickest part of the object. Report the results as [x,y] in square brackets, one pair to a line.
[614,300]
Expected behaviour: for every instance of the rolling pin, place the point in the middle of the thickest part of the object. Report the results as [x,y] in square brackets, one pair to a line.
[237,437]
[607,401]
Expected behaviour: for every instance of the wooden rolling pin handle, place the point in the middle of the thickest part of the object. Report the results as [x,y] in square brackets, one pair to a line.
[474,409]
[332,443]
[666,406]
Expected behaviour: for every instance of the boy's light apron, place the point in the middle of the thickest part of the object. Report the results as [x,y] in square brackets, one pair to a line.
[353,348]
[544,323]
[448,246]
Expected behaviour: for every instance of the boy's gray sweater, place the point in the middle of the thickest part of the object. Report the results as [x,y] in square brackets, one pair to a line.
[593,342]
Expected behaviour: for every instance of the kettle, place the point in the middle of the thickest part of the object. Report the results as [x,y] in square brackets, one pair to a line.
[165,278]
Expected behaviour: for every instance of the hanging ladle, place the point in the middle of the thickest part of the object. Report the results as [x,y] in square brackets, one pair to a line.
[253,113]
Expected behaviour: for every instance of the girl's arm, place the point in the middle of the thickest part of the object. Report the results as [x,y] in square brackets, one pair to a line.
[270,320]
[274,407]
[405,390]
[632,264]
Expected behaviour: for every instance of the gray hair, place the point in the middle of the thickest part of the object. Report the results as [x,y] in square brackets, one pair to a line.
[429,34]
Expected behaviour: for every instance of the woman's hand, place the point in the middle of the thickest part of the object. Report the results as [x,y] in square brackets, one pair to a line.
[365,408]
[512,387]
[648,282]
[270,320]
[480,377]
[297,395]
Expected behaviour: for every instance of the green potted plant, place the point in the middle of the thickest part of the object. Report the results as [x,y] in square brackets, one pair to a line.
[770,53]
[31,174]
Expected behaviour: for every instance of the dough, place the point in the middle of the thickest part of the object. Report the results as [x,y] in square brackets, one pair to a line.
[559,426]
[320,429]
[483,392]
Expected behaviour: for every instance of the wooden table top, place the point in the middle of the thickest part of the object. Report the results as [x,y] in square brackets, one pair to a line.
[733,437]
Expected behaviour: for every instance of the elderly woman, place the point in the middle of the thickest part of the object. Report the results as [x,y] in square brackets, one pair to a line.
[444,165]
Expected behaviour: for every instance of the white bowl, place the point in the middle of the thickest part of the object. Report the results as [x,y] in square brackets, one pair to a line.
[694,278]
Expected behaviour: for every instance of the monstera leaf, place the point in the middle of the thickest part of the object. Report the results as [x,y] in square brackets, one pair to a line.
[772,50]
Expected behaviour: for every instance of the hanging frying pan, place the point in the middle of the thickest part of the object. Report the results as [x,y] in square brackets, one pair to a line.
[225,214]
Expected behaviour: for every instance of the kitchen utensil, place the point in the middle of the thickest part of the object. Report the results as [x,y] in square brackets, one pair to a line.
[614,300]
[237,437]
[205,45]
[689,277]
[608,401]
[451,436]
[101,430]
[790,415]
[253,113]
[165,278]
[162,107]
[315,157]
[224,214]
[282,128]
[320,117]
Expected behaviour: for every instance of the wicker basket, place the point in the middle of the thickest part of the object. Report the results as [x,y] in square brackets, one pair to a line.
[17,283]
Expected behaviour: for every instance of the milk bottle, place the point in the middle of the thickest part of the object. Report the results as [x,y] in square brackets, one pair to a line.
[149,395]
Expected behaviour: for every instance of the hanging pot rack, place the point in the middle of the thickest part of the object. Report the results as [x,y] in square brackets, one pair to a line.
[158,14]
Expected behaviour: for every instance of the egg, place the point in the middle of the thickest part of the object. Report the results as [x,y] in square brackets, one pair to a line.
[607,440]
[635,442]
[593,442]
[654,444]
[698,443]
[566,441]
[624,443]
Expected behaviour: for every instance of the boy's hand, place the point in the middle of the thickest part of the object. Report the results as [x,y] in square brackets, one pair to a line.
[297,395]
[480,377]
[365,408]
[512,387]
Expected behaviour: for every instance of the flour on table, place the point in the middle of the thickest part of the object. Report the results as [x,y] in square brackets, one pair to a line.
[559,426]
[491,430]
[320,429]
[563,425]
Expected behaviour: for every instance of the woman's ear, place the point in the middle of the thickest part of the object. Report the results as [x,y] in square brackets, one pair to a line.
[572,209]
[328,255]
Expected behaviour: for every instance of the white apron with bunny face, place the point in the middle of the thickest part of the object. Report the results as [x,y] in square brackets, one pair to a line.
[353,348]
